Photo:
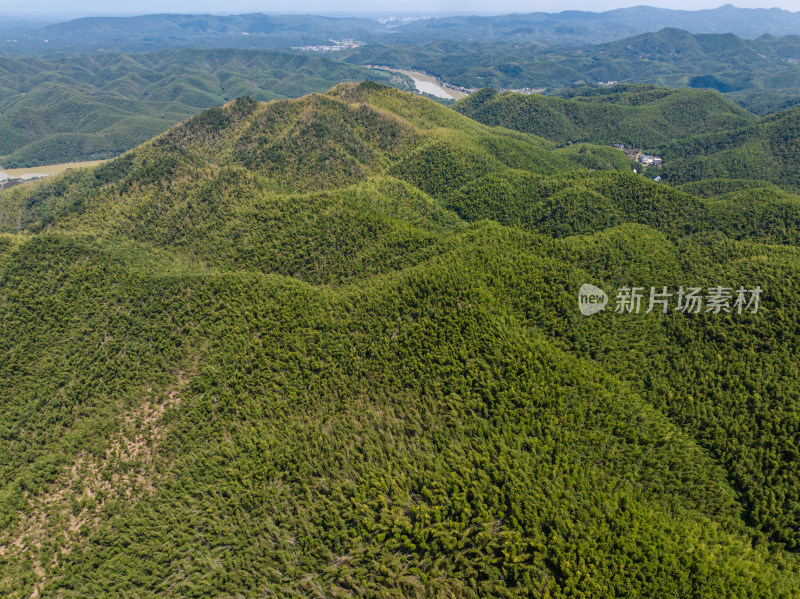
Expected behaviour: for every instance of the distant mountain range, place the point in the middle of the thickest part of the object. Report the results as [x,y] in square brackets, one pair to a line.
[152,32]
[762,74]
[62,109]
[579,27]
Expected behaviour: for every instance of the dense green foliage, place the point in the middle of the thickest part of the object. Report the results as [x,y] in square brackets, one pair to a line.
[641,116]
[330,347]
[97,106]
[765,150]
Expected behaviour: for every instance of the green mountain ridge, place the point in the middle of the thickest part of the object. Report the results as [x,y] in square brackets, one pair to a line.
[331,346]
[640,116]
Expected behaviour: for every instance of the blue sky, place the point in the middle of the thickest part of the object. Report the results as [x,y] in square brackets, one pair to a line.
[84,7]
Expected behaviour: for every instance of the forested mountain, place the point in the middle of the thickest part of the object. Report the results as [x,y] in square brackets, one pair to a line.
[764,150]
[331,346]
[638,115]
[97,106]
[699,134]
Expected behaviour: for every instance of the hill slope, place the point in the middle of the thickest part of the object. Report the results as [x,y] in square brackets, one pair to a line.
[764,150]
[331,346]
[641,116]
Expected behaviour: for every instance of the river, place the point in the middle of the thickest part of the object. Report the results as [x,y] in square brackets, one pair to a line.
[427,84]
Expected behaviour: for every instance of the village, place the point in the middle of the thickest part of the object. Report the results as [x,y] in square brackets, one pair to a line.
[639,156]
[644,159]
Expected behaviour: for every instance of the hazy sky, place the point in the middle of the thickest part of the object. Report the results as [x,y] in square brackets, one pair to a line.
[83,7]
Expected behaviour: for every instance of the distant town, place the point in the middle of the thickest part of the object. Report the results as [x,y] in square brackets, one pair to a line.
[335,46]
